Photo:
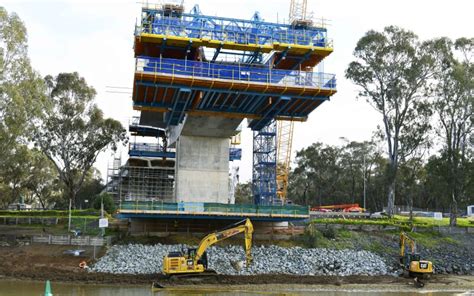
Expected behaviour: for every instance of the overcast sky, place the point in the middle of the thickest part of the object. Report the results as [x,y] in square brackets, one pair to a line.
[95,38]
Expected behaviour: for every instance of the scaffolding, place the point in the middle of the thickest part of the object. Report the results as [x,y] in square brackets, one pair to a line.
[264,165]
[142,179]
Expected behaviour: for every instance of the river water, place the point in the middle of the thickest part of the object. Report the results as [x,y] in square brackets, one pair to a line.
[27,288]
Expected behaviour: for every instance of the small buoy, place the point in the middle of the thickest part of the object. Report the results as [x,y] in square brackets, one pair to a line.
[83,264]
[47,289]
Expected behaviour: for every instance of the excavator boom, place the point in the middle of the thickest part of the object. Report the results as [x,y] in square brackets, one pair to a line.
[216,237]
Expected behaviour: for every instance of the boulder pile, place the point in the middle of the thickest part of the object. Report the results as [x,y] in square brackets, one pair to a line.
[147,259]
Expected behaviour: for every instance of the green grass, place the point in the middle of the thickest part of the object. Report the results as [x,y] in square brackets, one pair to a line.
[51,213]
[432,239]
[346,234]
[399,221]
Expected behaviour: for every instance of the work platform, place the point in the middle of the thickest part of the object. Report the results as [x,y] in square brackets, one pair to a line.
[305,47]
[238,91]
[190,210]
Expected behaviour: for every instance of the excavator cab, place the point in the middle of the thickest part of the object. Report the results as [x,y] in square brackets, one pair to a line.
[202,260]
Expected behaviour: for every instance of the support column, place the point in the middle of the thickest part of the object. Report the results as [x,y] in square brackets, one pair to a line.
[202,169]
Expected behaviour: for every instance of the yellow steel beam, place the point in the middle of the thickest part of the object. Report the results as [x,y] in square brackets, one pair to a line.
[266,48]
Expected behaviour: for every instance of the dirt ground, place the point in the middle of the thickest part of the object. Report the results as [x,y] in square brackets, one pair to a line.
[48,262]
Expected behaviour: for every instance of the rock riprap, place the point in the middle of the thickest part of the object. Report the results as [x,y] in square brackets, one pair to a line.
[148,259]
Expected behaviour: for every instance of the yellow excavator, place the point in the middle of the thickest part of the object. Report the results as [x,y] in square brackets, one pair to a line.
[411,262]
[194,261]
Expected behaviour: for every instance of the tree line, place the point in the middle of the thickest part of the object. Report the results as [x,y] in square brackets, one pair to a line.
[334,174]
[51,131]
[422,152]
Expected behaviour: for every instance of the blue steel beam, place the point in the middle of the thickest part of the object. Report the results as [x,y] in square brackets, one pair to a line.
[253,109]
[281,57]
[270,114]
[186,104]
[223,90]
[168,115]
[303,59]
[216,53]
[146,92]
[236,217]
[248,101]
[179,108]
[163,46]
[155,92]
[159,154]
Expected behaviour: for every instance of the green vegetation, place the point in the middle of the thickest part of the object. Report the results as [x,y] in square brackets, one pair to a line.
[432,239]
[107,200]
[51,131]
[398,221]
[89,213]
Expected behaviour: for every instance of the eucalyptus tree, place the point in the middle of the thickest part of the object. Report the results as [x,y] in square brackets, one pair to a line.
[392,69]
[21,100]
[73,130]
[453,94]
[21,88]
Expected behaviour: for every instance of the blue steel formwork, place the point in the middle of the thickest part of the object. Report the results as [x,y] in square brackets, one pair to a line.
[253,31]
[178,86]
[175,75]
[264,164]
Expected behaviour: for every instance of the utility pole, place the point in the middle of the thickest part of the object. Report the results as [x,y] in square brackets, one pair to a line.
[102,213]
[69,222]
[364,180]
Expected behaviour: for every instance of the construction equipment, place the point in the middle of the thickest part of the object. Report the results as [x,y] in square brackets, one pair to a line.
[194,261]
[284,145]
[411,262]
[339,208]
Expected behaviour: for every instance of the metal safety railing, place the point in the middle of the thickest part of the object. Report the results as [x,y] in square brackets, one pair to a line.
[197,207]
[146,147]
[235,72]
[232,30]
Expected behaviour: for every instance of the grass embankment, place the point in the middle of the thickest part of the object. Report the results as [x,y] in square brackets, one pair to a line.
[397,221]
[384,242]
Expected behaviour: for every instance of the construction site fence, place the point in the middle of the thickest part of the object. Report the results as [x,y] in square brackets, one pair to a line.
[232,30]
[71,240]
[213,208]
[235,72]
[85,225]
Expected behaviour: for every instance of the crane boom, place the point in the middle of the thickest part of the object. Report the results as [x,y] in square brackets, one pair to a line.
[284,145]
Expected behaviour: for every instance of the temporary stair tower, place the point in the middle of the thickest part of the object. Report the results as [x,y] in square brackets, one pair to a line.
[197,77]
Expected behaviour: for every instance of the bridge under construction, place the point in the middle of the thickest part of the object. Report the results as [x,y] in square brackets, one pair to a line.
[198,81]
